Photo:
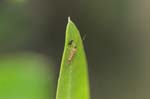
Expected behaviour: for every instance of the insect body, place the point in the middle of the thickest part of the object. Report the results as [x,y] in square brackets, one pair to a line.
[72,52]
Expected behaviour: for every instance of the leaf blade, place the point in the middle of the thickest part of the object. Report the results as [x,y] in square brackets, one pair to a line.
[73,79]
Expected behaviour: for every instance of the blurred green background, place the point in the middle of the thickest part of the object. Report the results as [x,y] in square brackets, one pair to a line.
[117,43]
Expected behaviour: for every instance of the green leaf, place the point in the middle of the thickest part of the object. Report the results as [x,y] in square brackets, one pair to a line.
[73,79]
[25,76]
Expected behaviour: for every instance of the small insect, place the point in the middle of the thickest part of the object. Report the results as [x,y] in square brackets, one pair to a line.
[72,52]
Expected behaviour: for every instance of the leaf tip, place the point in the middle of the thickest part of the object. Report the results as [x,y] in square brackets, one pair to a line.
[69,19]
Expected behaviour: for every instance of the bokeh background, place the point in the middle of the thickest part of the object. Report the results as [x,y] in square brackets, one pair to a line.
[117,44]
